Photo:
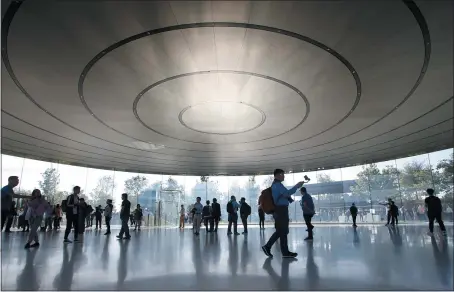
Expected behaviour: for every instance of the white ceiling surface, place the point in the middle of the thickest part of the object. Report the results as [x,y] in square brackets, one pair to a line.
[246,116]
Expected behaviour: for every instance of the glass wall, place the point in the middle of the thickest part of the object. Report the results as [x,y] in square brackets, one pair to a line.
[334,191]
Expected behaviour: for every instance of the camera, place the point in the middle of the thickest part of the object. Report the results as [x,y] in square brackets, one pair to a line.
[307,178]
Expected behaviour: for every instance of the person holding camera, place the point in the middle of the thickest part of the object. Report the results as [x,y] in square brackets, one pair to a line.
[282,198]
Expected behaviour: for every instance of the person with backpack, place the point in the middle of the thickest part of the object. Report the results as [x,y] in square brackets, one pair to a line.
[307,204]
[245,211]
[354,212]
[197,216]
[434,210]
[232,210]
[138,216]
[72,215]
[108,215]
[207,213]
[281,198]
[216,208]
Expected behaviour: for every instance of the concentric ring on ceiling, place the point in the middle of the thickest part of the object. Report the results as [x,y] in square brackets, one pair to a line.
[303,38]
[148,88]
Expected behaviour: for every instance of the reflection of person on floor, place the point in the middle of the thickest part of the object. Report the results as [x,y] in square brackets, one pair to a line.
[28,279]
[312,274]
[216,213]
[354,212]
[207,213]
[443,263]
[245,211]
[64,279]
[197,218]
[122,266]
[233,255]
[124,217]
[307,204]
[434,210]
[232,209]
[283,281]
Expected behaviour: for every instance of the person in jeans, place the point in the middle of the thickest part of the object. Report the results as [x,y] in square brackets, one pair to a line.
[7,197]
[434,210]
[197,217]
[232,209]
[72,217]
[308,211]
[282,198]
[216,213]
[124,217]
[37,207]
[108,215]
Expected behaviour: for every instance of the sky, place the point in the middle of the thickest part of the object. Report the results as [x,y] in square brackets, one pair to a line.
[30,171]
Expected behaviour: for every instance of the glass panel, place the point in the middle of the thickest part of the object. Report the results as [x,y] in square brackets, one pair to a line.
[356,190]
[442,169]
[12,166]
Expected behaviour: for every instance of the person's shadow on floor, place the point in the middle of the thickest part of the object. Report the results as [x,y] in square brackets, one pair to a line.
[28,280]
[282,282]
[442,261]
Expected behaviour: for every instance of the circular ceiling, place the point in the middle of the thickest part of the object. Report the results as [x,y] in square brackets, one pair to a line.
[225,87]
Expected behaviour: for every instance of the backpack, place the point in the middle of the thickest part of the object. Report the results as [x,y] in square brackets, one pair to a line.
[266,201]
[206,211]
[247,209]
[230,207]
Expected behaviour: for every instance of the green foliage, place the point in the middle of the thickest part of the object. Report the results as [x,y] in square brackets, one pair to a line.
[380,184]
[49,184]
[323,178]
[102,191]
[134,186]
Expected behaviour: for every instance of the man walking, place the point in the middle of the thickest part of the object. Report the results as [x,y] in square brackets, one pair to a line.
[308,212]
[124,217]
[245,211]
[434,209]
[232,210]
[72,214]
[354,212]
[216,213]
[282,198]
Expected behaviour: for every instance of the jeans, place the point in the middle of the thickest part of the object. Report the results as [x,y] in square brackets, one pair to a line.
[216,222]
[108,224]
[124,227]
[281,222]
[72,220]
[233,219]
[35,223]
[210,221]
[308,220]
[244,221]
[98,222]
[261,219]
[354,219]
[432,218]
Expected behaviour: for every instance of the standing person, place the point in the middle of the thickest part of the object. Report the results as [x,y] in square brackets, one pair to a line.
[98,217]
[72,217]
[261,218]
[108,215]
[138,216]
[37,206]
[57,217]
[434,210]
[182,216]
[232,210]
[216,213]
[197,216]
[245,211]
[124,216]
[7,197]
[394,213]
[308,212]
[388,213]
[207,213]
[354,212]
[83,212]
[49,216]
[282,198]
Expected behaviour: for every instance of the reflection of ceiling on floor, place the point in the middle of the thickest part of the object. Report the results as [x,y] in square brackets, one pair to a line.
[226,87]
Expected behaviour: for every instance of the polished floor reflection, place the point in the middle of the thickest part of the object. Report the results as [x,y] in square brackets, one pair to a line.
[372,258]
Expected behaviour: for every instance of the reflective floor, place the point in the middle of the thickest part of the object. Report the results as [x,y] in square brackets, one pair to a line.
[373,258]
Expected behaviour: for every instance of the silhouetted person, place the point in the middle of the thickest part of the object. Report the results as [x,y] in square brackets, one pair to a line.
[282,198]
[124,217]
[197,217]
[108,215]
[354,212]
[261,217]
[7,197]
[388,213]
[216,208]
[208,217]
[232,210]
[394,213]
[98,217]
[245,211]
[434,210]
[138,217]
[72,217]
[308,212]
